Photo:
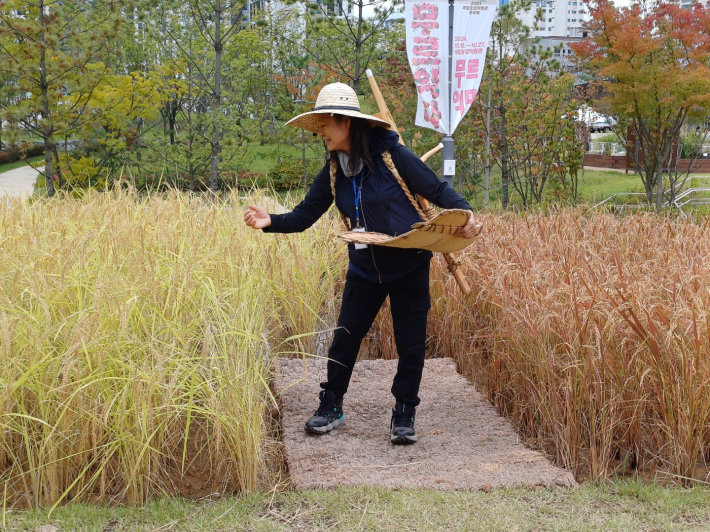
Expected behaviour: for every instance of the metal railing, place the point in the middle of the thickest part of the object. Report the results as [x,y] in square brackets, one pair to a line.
[688,197]
[606,148]
[623,205]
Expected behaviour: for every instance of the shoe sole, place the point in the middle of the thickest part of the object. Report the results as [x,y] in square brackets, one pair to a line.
[404,440]
[326,428]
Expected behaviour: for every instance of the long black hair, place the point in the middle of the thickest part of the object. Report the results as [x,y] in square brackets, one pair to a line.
[359,143]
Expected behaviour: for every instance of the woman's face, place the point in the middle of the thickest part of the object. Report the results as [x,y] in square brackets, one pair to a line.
[335,132]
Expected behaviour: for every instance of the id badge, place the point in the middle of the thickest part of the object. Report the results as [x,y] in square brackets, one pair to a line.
[359,230]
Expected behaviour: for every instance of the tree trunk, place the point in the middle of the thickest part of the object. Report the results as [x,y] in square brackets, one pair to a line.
[190,127]
[60,176]
[172,115]
[358,48]
[659,180]
[504,160]
[44,86]
[216,101]
[488,147]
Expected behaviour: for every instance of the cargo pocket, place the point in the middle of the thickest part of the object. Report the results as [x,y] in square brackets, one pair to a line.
[420,303]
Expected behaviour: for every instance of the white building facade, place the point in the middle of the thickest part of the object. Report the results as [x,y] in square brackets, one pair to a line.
[561,18]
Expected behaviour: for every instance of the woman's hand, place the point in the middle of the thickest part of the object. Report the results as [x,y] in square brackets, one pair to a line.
[257,218]
[471,229]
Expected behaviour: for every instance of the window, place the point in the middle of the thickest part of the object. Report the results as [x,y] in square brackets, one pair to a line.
[549,20]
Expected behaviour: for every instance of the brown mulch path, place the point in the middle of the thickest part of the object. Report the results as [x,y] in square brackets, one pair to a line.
[463,442]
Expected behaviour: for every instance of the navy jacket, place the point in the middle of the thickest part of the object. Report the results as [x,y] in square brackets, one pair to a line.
[384,207]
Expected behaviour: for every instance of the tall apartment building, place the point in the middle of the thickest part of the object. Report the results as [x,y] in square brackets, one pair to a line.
[331,8]
[561,18]
[562,24]
[691,3]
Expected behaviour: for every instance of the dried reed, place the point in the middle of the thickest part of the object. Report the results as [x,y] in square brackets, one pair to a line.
[591,332]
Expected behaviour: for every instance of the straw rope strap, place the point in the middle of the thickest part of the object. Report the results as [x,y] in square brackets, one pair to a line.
[426,214]
[387,156]
[333,173]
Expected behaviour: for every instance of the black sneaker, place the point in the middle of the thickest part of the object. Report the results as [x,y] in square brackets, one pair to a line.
[328,416]
[402,426]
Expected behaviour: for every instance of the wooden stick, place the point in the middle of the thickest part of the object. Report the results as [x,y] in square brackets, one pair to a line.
[424,158]
[385,114]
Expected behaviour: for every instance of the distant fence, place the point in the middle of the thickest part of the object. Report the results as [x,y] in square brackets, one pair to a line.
[605,161]
[619,162]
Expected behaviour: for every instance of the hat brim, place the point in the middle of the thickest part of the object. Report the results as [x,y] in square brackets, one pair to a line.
[309,122]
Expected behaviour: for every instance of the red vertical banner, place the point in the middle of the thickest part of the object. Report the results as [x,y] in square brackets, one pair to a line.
[428,52]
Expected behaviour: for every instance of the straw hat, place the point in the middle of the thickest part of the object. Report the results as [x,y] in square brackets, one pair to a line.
[335,98]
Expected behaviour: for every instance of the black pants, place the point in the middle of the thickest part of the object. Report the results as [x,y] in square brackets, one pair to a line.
[362,299]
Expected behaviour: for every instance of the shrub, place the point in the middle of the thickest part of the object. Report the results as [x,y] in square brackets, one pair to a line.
[289,174]
[20,151]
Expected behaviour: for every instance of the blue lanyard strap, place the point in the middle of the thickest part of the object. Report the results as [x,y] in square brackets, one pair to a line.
[357,191]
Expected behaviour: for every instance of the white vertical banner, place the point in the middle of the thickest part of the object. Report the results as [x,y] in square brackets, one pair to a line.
[472,28]
[427,24]
[428,51]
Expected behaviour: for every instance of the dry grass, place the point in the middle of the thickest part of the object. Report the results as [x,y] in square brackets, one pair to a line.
[592,334]
[136,336]
[135,342]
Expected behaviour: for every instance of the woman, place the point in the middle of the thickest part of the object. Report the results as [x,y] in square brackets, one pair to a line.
[369,196]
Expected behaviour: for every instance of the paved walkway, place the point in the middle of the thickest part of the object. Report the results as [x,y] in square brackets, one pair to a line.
[463,442]
[18,183]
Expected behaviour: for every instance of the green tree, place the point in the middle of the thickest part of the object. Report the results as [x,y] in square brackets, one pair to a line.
[652,62]
[525,107]
[111,127]
[48,48]
[342,39]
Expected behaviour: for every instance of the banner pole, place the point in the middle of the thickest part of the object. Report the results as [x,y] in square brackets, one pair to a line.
[448,161]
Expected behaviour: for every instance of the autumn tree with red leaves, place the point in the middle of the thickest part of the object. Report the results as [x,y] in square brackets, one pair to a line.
[653,65]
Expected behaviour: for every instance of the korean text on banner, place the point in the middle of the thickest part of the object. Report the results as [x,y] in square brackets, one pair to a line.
[472,28]
[428,52]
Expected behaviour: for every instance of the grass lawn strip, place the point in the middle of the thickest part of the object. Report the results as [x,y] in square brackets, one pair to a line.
[614,506]
[19,164]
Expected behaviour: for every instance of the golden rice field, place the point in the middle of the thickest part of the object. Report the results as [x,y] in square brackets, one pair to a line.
[136,339]
[136,336]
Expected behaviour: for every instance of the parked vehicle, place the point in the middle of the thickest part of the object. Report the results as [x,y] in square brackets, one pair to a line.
[597,122]
[600,126]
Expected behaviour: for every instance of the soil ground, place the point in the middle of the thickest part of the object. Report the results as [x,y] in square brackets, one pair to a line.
[463,442]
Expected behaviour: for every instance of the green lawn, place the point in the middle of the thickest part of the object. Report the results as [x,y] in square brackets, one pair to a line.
[599,185]
[614,506]
[20,135]
[596,186]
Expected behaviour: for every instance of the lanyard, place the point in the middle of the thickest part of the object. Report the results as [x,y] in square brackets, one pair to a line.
[358,194]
